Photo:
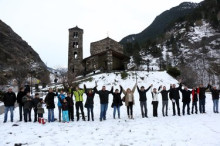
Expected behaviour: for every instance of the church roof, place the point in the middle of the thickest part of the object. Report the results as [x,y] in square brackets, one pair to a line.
[76,28]
[114,53]
[105,39]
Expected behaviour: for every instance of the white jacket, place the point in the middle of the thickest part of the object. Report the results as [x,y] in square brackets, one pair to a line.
[154,95]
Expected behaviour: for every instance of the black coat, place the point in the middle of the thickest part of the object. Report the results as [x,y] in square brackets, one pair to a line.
[90,98]
[186,95]
[35,102]
[70,101]
[28,102]
[202,92]
[194,95]
[164,94]
[103,95]
[174,93]
[49,100]
[20,95]
[215,93]
[117,98]
[142,94]
[9,99]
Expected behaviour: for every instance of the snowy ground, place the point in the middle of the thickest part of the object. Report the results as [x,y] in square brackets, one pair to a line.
[201,129]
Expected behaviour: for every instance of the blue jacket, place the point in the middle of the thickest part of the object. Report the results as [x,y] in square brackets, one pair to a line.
[62,96]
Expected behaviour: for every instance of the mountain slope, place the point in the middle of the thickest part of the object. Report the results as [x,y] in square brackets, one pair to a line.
[161,22]
[16,56]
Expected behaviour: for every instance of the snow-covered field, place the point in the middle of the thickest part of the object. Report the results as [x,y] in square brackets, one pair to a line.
[201,129]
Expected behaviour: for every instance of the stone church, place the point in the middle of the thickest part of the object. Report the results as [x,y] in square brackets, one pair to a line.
[106,55]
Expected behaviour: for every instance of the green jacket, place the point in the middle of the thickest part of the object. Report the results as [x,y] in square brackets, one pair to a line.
[79,95]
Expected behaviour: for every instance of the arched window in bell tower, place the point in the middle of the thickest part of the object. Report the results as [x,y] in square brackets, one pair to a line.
[75,55]
[75,45]
[75,34]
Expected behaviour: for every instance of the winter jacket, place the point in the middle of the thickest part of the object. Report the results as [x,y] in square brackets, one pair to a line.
[194,95]
[215,93]
[117,98]
[164,94]
[103,95]
[174,93]
[49,100]
[154,95]
[40,109]
[35,102]
[60,96]
[78,95]
[142,94]
[127,96]
[90,98]
[186,95]
[20,95]
[9,99]
[28,103]
[65,105]
[70,101]
[201,91]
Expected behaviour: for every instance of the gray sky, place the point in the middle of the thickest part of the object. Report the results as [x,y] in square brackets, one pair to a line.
[44,24]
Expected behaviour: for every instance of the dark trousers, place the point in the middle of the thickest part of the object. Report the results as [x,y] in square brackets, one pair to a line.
[165,105]
[202,105]
[40,115]
[71,113]
[27,114]
[188,108]
[130,109]
[35,114]
[79,105]
[155,106]
[21,108]
[143,105]
[194,104]
[90,110]
[60,111]
[178,107]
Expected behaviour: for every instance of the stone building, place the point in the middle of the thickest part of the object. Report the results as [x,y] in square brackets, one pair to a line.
[106,55]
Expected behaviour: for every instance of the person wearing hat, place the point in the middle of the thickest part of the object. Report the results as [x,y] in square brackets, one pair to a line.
[9,100]
[143,100]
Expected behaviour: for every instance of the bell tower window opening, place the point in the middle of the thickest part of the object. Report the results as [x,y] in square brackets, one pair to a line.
[75,34]
[75,45]
[75,55]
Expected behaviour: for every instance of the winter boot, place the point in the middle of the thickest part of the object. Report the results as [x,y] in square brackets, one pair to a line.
[42,121]
[39,120]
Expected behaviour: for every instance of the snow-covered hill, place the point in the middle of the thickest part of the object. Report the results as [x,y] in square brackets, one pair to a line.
[201,129]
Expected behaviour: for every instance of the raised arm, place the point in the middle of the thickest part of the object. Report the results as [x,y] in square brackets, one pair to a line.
[134,88]
[124,92]
[120,89]
[149,88]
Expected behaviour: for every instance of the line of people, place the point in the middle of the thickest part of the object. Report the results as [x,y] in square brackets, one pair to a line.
[66,103]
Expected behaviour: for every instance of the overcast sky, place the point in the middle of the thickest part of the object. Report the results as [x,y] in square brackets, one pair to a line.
[44,24]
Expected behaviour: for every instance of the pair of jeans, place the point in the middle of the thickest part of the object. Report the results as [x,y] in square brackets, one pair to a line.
[21,109]
[40,115]
[59,114]
[165,105]
[90,110]
[71,112]
[188,108]
[130,108]
[11,109]
[155,106]
[51,115]
[202,105]
[194,104]
[215,105]
[176,101]
[104,108]
[79,105]
[114,111]
[27,115]
[143,105]
[65,116]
